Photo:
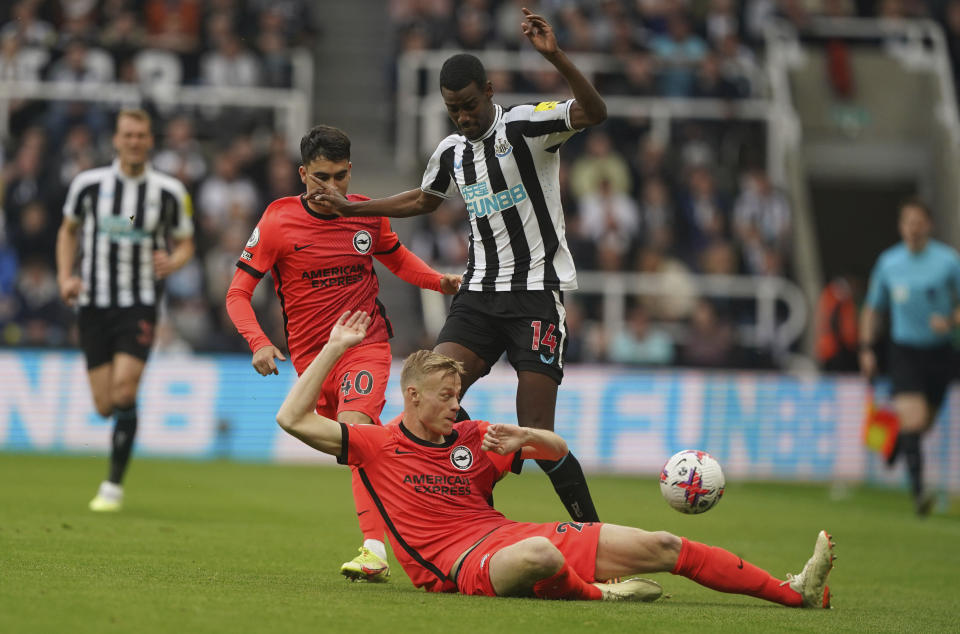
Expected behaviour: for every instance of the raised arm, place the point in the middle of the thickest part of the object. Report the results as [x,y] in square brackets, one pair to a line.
[411,203]
[538,444]
[588,108]
[297,416]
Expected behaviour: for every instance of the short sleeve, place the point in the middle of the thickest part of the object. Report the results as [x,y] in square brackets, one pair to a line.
[80,187]
[182,221]
[361,444]
[878,295]
[438,177]
[549,124]
[263,247]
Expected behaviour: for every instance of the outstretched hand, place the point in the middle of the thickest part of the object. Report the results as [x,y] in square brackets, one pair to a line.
[350,329]
[327,196]
[503,439]
[450,283]
[539,32]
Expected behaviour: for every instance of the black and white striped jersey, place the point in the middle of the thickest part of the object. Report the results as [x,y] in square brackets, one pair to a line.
[124,220]
[510,182]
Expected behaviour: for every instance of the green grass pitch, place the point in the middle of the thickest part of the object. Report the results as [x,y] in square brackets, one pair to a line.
[227,547]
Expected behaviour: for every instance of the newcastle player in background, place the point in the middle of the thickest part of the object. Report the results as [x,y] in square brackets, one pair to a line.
[322,265]
[120,217]
[505,164]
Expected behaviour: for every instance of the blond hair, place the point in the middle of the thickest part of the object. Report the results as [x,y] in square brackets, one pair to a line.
[423,363]
[134,113]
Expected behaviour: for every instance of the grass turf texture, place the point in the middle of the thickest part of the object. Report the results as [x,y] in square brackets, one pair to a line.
[227,547]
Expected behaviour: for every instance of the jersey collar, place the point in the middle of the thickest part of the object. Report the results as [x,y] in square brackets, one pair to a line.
[306,207]
[132,179]
[447,440]
[497,115]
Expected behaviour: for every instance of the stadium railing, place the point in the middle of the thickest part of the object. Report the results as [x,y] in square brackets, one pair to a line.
[780,312]
[292,106]
[421,119]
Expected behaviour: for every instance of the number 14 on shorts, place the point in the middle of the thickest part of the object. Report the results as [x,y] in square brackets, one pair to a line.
[547,340]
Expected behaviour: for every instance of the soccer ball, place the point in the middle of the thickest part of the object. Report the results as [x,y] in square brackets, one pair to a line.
[691,481]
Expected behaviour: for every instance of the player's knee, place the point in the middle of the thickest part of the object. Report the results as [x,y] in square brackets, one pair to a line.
[541,558]
[667,547]
[104,406]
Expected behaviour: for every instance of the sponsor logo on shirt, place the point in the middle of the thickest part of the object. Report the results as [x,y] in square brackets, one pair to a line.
[480,202]
[334,276]
[246,255]
[440,484]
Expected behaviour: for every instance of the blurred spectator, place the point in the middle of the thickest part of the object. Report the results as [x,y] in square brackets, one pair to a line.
[836,328]
[710,82]
[601,162]
[42,317]
[80,64]
[30,29]
[34,236]
[441,237]
[656,215]
[273,51]
[609,217]
[473,31]
[640,343]
[636,78]
[173,25]
[181,155]
[720,21]
[739,67]
[123,36]
[762,224]
[709,342]
[230,65]
[703,212]
[78,153]
[679,52]
[680,291]
[226,198]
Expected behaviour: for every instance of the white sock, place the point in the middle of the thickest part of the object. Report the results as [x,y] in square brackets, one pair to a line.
[376,547]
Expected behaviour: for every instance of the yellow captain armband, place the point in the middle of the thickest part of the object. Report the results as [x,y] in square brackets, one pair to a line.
[188,205]
[546,105]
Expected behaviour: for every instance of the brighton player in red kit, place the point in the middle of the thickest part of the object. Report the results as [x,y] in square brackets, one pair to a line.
[431,479]
[321,265]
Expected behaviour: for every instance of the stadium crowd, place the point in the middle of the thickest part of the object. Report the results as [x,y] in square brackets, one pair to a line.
[699,204]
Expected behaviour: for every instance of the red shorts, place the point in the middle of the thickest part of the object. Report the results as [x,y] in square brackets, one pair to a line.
[357,383]
[577,542]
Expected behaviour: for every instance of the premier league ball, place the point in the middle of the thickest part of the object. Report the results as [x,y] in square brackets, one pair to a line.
[691,481]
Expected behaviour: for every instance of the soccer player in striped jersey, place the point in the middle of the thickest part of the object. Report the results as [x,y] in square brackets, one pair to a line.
[505,164]
[322,265]
[125,211]
[432,478]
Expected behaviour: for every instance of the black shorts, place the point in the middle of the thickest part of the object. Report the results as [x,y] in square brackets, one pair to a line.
[106,331]
[925,370]
[528,325]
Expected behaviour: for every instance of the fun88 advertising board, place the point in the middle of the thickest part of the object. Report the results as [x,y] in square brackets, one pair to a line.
[759,425]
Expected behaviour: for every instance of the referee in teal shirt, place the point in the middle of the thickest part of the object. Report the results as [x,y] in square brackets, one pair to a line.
[918,282]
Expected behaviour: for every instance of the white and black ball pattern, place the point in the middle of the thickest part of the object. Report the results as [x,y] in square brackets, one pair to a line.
[692,481]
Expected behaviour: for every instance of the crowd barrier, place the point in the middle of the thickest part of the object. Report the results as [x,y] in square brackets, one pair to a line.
[760,425]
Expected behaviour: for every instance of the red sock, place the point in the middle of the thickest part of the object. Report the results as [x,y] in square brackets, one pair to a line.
[566,584]
[371,524]
[723,571]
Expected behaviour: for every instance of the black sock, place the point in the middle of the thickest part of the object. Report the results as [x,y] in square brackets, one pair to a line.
[124,431]
[910,448]
[571,486]
[462,415]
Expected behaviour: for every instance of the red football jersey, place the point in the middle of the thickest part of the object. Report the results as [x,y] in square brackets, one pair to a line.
[322,266]
[434,498]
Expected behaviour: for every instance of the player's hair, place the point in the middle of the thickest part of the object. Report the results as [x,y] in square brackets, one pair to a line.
[461,70]
[324,141]
[423,363]
[916,203]
[134,113]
